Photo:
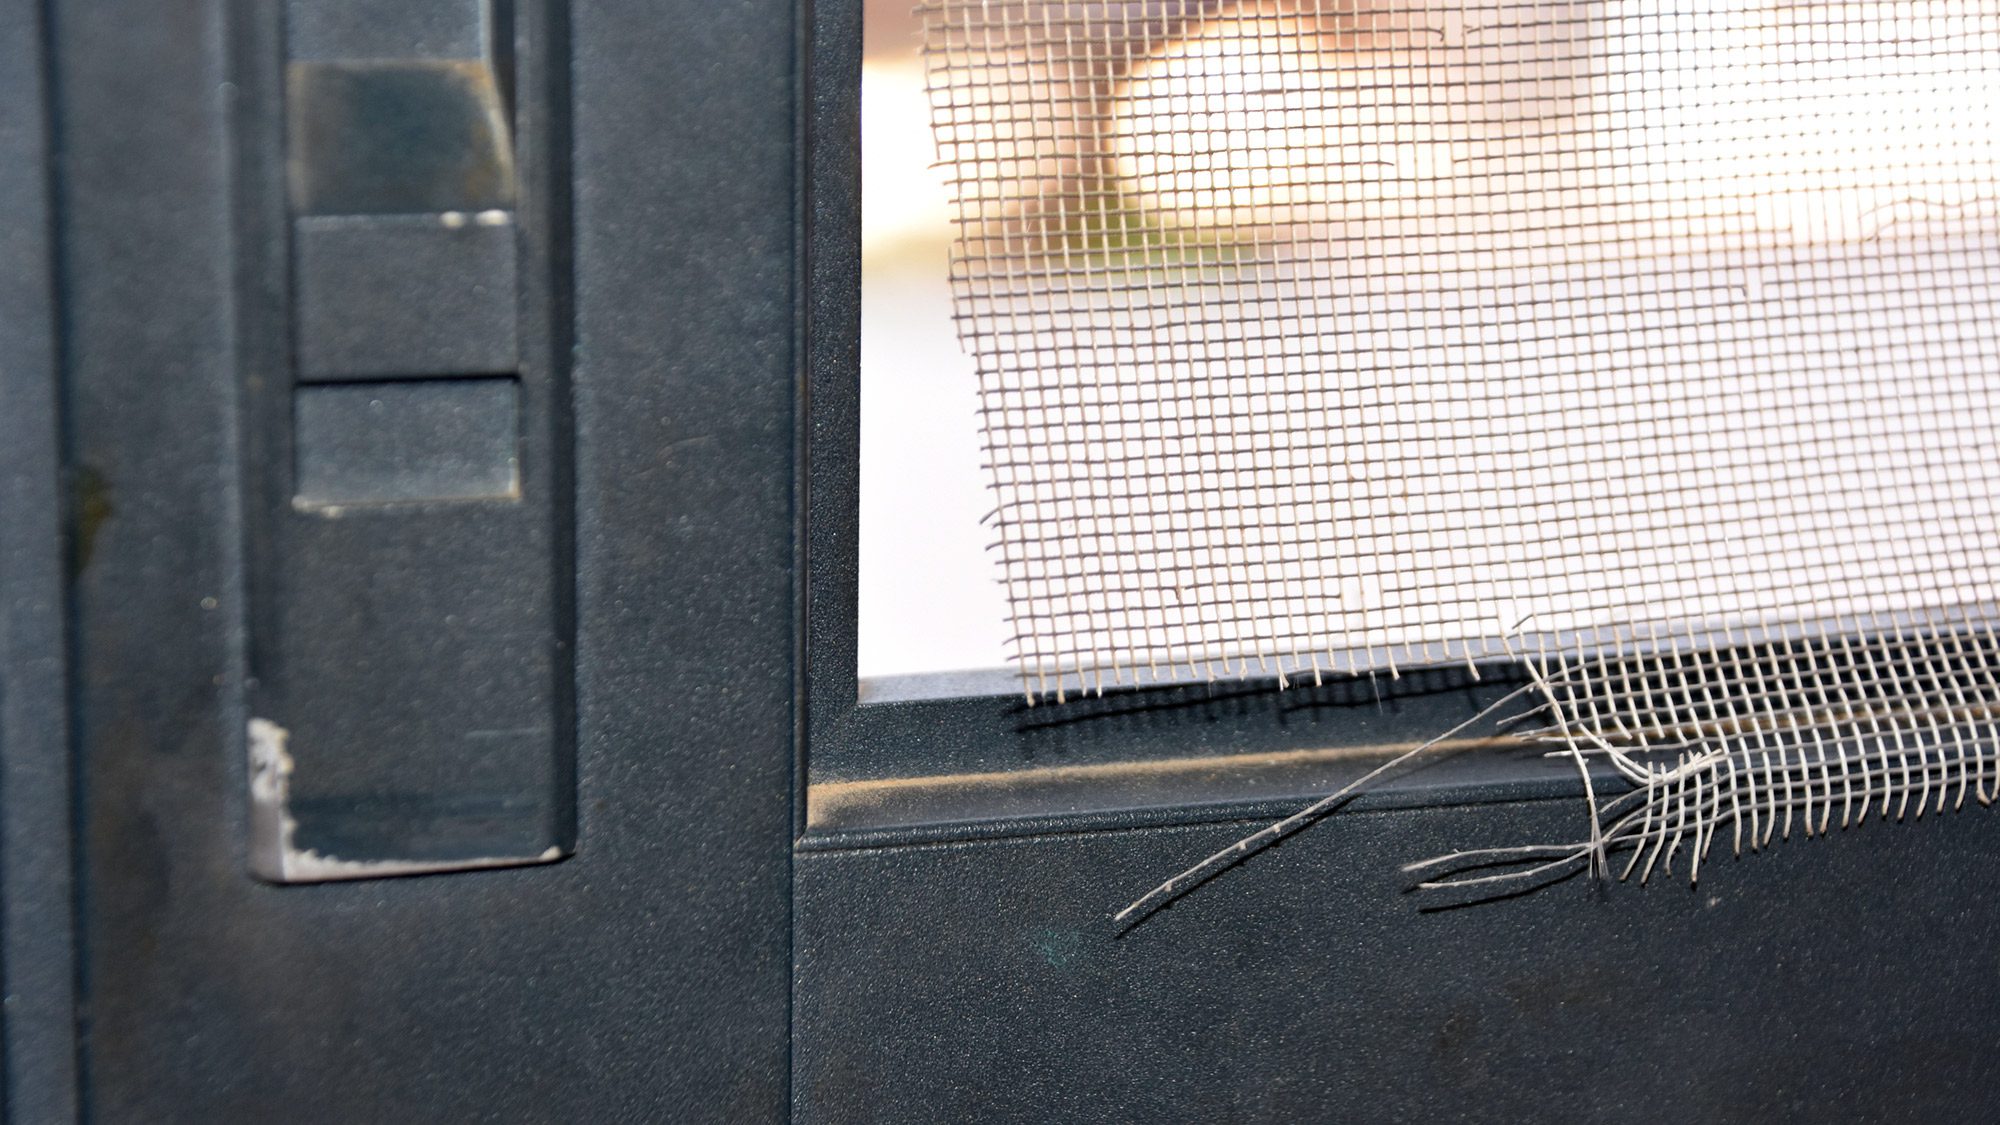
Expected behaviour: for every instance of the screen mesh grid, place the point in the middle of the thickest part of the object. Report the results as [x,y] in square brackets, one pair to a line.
[1324,336]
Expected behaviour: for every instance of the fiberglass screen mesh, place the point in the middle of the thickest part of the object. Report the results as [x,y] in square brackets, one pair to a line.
[1333,335]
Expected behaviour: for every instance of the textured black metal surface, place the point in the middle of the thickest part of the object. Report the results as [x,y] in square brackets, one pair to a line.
[37,1041]
[1846,979]
[647,978]
[395,136]
[385,29]
[382,295]
[410,440]
[415,661]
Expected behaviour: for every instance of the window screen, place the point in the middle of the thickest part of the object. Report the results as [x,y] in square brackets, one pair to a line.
[1338,336]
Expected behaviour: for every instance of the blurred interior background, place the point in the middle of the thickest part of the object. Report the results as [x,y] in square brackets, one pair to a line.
[930,594]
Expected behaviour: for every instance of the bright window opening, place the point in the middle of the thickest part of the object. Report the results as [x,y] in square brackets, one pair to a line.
[1288,336]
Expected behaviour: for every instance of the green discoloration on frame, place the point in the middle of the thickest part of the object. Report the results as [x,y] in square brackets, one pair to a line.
[1059,948]
[91,494]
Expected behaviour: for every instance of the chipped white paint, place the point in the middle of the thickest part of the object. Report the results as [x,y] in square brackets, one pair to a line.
[273,855]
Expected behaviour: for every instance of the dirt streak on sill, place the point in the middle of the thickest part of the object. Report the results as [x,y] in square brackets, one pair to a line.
[827,801]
